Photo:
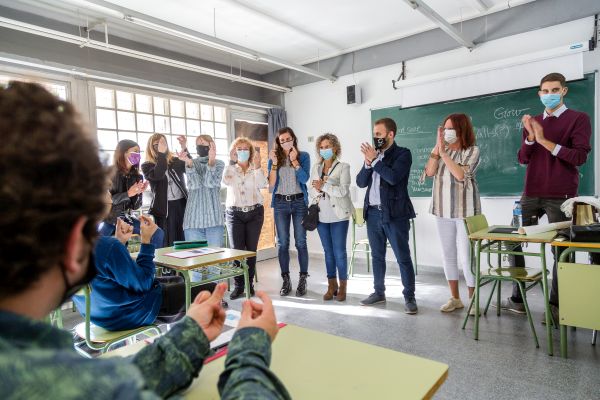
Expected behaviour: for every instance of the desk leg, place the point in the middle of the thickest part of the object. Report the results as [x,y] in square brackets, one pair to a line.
[188,288]
[246,277]
[477,274]
[549,325]
[563,341]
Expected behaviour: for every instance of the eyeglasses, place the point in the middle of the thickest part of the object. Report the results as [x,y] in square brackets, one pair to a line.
[285,141]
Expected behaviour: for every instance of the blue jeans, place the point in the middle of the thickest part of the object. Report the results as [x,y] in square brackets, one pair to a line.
[213,235]
[396,232]
[294,211]
[333,237]
[157,240]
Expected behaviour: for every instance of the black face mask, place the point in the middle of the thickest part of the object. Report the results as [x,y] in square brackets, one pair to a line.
[379,142]
[202,151]
[90,274]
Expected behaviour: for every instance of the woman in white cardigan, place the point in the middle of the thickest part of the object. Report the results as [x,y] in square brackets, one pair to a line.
[330,183]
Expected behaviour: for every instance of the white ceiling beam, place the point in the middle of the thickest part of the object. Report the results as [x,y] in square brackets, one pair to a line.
[193,36]
[444,25]
[85,42]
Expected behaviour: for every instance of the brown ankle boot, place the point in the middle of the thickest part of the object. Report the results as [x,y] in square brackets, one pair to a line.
[332,289]
[341,296]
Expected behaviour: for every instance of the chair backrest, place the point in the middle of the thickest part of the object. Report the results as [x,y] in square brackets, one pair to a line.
[475,223]
[358,217]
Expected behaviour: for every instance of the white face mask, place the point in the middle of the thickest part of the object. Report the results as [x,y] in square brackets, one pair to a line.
[287,145]
[450,136]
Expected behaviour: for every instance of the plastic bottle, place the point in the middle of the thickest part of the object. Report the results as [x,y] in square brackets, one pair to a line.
[517,219]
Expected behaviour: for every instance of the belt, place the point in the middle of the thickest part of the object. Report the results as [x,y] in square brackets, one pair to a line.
[289,197]
[246,208]
[377,207]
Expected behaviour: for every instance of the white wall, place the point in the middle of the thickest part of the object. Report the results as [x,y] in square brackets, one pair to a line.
[321,107]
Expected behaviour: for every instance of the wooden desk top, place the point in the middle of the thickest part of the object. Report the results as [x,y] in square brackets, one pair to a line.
[226,255]
[306,361]
[566,243]
[485,234]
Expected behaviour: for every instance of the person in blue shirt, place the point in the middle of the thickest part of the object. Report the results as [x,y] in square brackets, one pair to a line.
[125,293]
[289,170]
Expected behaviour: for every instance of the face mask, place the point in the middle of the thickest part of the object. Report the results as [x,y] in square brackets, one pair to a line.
[90,274]
[326,153]
[379,143]
[202,151]
[134,158]
[287,145]
[551,101]
[450,136]
[243,155]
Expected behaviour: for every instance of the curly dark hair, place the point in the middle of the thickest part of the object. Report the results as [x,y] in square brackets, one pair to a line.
[50,175]
[281,156]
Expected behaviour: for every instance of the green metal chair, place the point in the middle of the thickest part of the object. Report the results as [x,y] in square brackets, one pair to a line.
[359,221]
[525,278]
[97,338]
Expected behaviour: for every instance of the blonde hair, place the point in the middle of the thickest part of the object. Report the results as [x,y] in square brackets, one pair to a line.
[245,140]
[206,138]
[151,154]
[335,143]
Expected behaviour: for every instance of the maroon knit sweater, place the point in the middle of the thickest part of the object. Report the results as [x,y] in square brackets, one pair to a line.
[557,176]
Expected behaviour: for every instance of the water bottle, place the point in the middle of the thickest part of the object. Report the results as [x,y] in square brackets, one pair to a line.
[517,219]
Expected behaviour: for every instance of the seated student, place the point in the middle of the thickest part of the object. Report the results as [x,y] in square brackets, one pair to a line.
[125,294]
[52,188]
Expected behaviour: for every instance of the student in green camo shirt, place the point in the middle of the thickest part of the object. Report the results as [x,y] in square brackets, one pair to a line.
[52,196]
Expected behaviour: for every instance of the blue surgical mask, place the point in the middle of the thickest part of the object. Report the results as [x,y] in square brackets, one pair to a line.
[243,155]
[551,101]
[326,153]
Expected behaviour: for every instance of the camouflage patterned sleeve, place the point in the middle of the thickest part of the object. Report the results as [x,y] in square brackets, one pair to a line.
[247,374]
[174,360]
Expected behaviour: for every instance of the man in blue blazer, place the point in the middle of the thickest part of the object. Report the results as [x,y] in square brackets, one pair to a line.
[388,209]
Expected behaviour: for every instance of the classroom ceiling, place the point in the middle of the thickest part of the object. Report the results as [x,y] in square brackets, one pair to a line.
[296,31]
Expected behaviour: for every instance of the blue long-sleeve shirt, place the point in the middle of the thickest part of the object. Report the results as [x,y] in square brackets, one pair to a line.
[124,294]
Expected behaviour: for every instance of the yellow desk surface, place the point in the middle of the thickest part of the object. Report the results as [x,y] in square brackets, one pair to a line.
[316,365]
[485,234]
[224,256]
[566,243]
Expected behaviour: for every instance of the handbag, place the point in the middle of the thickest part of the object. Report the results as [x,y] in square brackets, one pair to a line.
[311,219]
[585,226]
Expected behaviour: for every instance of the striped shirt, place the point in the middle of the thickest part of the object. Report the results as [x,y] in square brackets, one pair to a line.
[203,209]
[452,198]
[288,184]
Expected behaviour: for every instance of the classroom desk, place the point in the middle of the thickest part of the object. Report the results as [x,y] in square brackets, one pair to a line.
[498,238]
[573,247]
[316,365]
[184,265]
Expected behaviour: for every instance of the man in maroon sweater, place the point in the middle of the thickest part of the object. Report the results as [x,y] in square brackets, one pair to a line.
[555,144]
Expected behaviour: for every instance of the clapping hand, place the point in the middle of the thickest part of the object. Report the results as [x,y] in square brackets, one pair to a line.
[208,312]
[440,142]
[123,231]
[526,120]
[147,228]
[369,152]
[183,156]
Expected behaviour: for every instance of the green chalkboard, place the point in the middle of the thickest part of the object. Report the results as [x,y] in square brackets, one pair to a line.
[497,122]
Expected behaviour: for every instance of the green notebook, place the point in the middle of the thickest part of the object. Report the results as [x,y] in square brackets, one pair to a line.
[189,244]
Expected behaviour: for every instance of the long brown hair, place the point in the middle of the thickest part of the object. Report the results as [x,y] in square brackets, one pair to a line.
[151,154]
[281,157]
[464,129]
[119,157]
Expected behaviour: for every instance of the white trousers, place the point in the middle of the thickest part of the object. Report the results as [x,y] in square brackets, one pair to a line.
[455,248]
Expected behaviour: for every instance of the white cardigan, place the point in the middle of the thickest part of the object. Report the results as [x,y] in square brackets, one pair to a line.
[337,187]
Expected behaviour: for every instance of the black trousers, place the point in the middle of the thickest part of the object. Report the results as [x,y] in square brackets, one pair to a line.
[173,295]
[244,229]
[533,208]
[172,224]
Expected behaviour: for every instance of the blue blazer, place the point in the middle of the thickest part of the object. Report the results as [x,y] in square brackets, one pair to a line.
[394,170]
[302,175]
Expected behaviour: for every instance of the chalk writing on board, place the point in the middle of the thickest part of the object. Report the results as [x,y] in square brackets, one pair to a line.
[503,113]
[412,130]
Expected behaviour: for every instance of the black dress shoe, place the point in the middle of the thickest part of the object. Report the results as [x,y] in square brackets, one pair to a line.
[237,293]
[286,288]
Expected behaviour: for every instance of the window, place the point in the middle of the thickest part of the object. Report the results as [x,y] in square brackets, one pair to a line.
[126,114]
[60,90]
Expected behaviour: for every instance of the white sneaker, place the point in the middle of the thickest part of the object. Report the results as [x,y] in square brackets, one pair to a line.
[472,312]
[451,305]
